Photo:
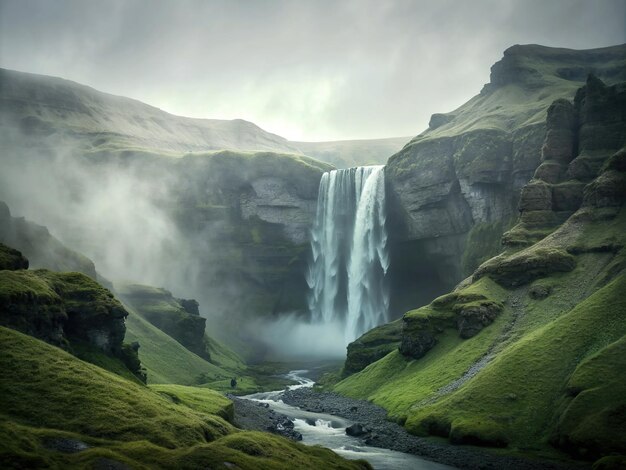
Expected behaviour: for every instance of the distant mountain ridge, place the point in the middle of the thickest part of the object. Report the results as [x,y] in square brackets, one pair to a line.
[77,115]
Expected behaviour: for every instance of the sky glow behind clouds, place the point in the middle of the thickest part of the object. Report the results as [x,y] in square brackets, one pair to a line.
[307,70]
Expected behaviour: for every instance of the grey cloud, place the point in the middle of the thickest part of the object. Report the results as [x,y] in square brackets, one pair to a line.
[311,70]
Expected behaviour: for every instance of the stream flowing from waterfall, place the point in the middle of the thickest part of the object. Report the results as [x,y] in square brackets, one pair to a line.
[329,431]
[347,273]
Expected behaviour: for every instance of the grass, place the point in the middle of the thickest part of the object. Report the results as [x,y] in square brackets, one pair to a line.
[85,399]
[165,359]
[125,422]
[11,259]
[199,399]
[524,386]
[555,381]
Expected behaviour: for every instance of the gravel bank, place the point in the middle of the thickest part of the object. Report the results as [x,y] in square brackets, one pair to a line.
[386,434]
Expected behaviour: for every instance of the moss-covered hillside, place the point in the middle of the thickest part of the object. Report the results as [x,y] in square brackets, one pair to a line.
[93,418]
[69,310]
[525,353]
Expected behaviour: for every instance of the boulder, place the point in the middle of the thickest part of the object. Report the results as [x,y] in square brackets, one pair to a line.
[372,346]
[417,336]
[357,430]
[474,316]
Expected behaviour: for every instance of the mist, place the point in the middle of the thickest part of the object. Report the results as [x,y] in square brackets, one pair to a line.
[112,212]
[291,337]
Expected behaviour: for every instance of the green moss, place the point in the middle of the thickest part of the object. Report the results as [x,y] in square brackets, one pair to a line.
[198,399]
[373,345]
[123,422]
[482,432]
[89,353]
[593,421]
[604,235]
[88,400]
[526,265]
[397,383]
[11,259]
[165,359]
[483,242]
[525,384]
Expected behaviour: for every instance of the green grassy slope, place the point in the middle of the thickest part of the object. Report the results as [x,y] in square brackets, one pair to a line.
[166,360]
[546,374]
[123,422]
[527,81]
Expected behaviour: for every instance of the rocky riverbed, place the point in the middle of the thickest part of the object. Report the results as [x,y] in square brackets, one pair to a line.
[373,429]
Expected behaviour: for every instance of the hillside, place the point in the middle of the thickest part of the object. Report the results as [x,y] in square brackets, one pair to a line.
[77,116]
[93,418]
[51,112]
[524,353]
[454,189]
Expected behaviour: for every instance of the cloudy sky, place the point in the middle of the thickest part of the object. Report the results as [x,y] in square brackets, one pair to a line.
[307,70]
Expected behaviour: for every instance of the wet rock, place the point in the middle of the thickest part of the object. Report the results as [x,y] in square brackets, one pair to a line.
[356,430]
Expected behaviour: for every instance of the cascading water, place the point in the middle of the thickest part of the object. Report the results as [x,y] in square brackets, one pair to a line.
[349,245]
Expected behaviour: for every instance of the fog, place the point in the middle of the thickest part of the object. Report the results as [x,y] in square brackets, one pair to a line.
[109,212]
[292,337]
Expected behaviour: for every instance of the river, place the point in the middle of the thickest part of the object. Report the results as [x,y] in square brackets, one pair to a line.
[330,431]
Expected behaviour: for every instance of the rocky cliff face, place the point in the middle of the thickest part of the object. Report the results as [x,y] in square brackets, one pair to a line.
[455,188]
[247,217]
[179,318]
[61,308]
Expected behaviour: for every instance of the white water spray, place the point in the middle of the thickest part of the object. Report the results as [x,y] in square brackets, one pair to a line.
[349,245]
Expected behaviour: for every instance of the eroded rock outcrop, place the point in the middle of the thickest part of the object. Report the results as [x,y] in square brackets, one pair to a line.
[460,181]
[179,318]
[581,137]
[61,308]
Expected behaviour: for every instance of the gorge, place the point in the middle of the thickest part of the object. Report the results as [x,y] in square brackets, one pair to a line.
[457,296]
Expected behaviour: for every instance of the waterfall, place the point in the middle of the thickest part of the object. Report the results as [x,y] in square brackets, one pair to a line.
[349,261]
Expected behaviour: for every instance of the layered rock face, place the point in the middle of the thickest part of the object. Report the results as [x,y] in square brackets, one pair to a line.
[179,318]
[458,184]
[248,217]
[61,308]
[580,138]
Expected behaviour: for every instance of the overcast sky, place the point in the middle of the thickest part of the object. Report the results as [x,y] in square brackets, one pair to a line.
[307,70]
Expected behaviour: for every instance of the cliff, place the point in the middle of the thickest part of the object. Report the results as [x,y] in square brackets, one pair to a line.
[524,354]
[69,310]
[454,189]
